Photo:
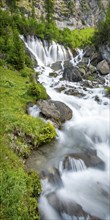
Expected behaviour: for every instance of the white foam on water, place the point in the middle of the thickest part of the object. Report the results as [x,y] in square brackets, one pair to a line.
[89,125]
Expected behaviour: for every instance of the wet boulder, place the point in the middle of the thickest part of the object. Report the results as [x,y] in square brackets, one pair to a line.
[70,207]
[92,54]
[103,67]
[90,158]
[57,66]
[71,73]
[56,111]
[74,92]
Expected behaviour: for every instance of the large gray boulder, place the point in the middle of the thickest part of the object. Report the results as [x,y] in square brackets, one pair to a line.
[89,157]
[56,111]
[92,54]
[72,73]
[103,67]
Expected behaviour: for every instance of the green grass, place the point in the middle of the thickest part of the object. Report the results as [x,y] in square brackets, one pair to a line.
[18,190]
[14,120]
[19,134]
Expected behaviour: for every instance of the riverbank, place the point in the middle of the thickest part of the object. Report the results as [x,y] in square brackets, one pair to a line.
[20,133]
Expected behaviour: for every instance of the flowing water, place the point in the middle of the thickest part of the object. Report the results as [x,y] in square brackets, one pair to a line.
[72,190]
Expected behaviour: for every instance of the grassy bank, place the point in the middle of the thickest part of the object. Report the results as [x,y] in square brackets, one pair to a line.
[20,133]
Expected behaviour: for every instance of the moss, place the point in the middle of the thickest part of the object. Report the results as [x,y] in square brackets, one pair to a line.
[91,78]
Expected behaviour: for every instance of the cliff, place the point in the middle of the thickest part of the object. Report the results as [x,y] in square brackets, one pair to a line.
[67,13]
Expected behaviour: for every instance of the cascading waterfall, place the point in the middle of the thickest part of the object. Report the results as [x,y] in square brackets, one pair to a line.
[74,191]
[72,164]
[47,53]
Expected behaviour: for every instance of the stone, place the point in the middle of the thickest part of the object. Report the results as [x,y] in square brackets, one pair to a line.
[103,67]
[56,111]
[105,52]
[56,66]
[74,92]
[89,157]
[72,73]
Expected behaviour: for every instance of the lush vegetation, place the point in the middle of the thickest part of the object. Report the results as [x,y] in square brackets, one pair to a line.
[18,190]
[102,34]
[45,29]
[21,128]
[20,133]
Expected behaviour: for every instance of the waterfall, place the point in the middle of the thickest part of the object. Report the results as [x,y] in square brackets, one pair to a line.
[74,191]
[47,53]
[73,164]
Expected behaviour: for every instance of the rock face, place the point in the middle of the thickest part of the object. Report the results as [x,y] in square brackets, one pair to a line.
[67,13]
[105,52]
[77,14]
[92,54]
[103,67]
[56,111]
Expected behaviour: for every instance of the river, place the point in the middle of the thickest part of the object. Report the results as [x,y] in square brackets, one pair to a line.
[72,188]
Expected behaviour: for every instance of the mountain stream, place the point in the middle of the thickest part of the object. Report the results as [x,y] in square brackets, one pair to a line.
[72,188]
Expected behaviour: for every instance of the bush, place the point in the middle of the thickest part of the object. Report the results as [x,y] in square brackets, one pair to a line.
[16,52]
[37,90]
[26,72]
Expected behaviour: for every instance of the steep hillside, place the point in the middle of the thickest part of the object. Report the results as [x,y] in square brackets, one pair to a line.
[67,13]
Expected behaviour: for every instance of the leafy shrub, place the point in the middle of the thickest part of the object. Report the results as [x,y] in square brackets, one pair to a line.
[16,53]
[37,90]
[28,61]
[26,72]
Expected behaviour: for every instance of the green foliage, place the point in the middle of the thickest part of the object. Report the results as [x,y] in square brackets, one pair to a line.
[49,7]
[45,29]
[14,97]
[77,38]
[28,62]
[108,90]
[16,53]
[37,90]
[11,45]
[26,72]
[19,190]
[102,35]
[91,78]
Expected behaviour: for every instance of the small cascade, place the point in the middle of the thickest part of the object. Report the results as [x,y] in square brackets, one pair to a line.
[73,164]
[67,217]
[34,111]
[77,165]
[47,53]
[78,58]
